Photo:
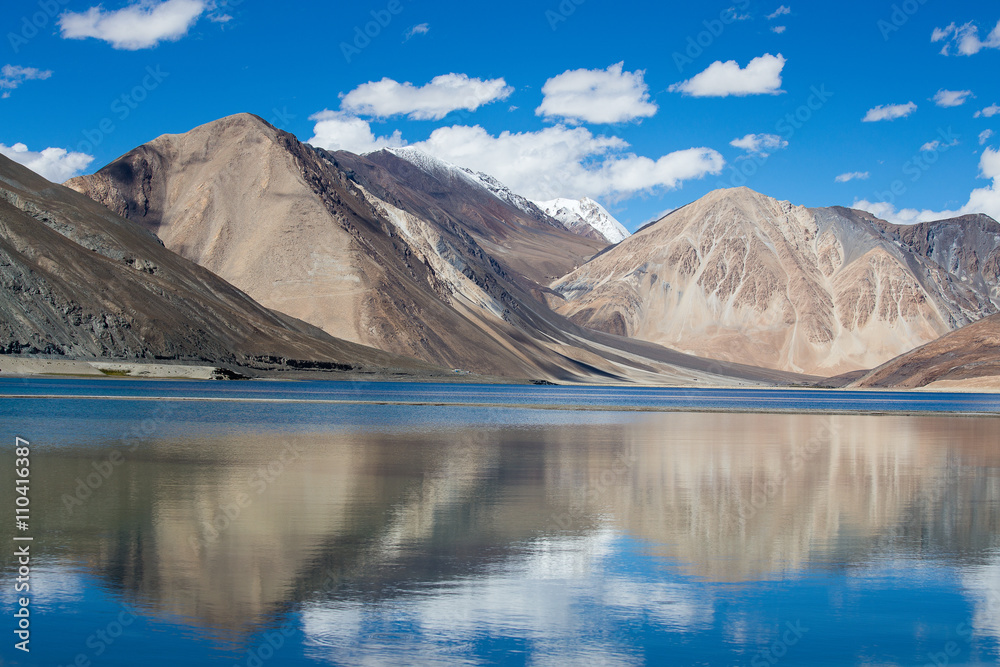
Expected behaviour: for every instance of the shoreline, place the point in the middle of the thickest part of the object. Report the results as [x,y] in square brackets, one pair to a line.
[28,368]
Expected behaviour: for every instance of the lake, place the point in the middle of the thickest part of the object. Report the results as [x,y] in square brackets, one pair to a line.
[324,523]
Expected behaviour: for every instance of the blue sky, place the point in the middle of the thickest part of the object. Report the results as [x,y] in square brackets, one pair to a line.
[643,108]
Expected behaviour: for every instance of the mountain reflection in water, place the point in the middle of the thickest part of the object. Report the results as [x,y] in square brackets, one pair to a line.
[421,540]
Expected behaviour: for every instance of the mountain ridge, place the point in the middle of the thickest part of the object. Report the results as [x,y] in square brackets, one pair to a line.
[80,282]
[739,275]
[377,251]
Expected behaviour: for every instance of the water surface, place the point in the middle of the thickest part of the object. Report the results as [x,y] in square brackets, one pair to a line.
[387,530]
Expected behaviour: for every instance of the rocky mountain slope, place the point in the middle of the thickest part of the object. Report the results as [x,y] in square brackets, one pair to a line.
[410,258]
[78,281]
[586,217]
[740,276]
[967,358]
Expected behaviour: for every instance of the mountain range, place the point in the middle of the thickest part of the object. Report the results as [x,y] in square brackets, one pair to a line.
[741,276]
[393,250]
[399,254]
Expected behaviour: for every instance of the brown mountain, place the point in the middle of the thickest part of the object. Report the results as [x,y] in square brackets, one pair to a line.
[395,253]
[80,282]
[740,276]
[967,358]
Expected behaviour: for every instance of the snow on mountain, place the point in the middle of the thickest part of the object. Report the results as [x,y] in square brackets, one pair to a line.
[501,191]
[433,165]
[585,216]
[578,215]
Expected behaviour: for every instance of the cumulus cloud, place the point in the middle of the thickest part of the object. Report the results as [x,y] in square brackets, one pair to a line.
[567,162]
[559,161]
[964,40]
[780,11]
[12,76]
[420,29]
[762,76]
[952,98]
[989,111]
[889,112]
[985,136]
[433,101]
[141,25]
[55,164]
[336,130]
[982,200]
[852,176]
[779,29]
[597,96]
[760,144]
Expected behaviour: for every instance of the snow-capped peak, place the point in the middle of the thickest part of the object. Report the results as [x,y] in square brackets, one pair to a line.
[584,213]
[501,191]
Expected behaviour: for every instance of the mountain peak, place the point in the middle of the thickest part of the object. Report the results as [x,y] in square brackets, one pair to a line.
[584,213]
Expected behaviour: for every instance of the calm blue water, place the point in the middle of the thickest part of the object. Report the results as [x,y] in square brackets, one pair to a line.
[298,533]
[492,395]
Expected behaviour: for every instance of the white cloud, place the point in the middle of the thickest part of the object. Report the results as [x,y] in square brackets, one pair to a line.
[889,112]
[760,144]
[433,101]
[780,11]
[964,40]
[55,164]
[779,29]
[985,136]
[762,76]
[597,96]
[952,98]
[557,161]
[421,29]
[336,130]
[989,111]
[12,76]
[852,175]
[936,145]
[982,200]
[567,161]
[141,25]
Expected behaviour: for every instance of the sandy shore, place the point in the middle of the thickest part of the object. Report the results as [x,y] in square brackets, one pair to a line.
[14,366]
